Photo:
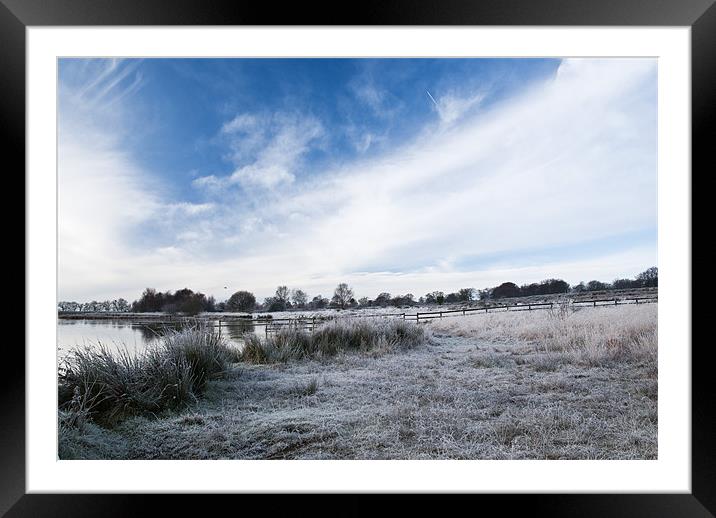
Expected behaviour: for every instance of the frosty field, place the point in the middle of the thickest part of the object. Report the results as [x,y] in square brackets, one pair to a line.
[563,384]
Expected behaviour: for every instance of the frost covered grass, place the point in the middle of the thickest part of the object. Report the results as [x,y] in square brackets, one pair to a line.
[98,384]
[593,336]
[476,390]
[333,337]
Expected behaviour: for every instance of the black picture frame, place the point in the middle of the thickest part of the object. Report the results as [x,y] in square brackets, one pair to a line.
[700,15]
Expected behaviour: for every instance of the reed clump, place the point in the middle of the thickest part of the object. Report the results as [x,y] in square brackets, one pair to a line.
[99,384]
[333,337]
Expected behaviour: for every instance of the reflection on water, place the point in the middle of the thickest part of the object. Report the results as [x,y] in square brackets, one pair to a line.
[135,337]
[151,332]
[235,330]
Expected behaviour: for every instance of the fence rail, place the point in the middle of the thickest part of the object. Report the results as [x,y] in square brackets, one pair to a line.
[428,315]
[273,325]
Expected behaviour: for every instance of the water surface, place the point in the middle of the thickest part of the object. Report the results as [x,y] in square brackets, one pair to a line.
[116,334]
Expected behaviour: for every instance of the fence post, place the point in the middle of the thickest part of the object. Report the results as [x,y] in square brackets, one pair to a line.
[441,314]
[403,316]
[417,317]
[529,308]
[615,302]
[595,303]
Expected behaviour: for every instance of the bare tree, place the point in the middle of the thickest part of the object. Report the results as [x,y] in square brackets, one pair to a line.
[283,296]
[299,298]
[342,295]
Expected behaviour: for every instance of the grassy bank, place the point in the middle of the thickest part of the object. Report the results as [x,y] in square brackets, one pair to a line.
[99,388]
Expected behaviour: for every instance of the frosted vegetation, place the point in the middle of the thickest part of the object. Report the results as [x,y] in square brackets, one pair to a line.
[591,336]
[333,337]
[561,384]
[107,385]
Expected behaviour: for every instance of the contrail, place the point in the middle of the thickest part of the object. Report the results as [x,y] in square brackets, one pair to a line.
[432,99]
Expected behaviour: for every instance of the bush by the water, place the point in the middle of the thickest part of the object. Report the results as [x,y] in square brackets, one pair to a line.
[102,385]
[333,337]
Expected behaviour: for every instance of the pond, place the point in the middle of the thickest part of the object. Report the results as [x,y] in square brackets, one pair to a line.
[116,334]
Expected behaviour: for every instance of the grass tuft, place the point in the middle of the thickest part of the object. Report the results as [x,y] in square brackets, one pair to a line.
[305,389]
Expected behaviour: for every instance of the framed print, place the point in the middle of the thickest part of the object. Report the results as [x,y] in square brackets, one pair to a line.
[398,253]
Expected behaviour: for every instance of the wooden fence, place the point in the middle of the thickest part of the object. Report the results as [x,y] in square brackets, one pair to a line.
[311,323]
[525,307]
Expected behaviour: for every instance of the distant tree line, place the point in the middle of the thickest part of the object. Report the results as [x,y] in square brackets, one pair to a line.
[646,279]
[116,305]
[510,289]
[189,302]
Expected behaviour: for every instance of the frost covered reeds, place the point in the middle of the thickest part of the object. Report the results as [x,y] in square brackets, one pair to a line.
[340,335]
[104,385]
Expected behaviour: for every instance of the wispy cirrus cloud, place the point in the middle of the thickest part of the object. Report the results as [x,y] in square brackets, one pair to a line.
[379,100]
[105,197]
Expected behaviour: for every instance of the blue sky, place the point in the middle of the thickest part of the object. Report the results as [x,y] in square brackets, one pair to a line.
[400,175]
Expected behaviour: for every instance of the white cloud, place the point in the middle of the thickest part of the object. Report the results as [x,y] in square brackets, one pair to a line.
[242,123]
[190,209]
[452,107]
[266,150]
[369,94]
[363,139]
[267,176]
[381,102]
[102,199]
